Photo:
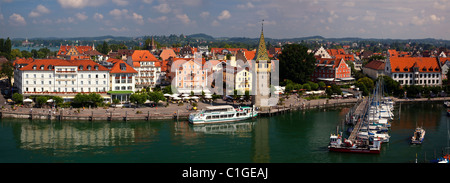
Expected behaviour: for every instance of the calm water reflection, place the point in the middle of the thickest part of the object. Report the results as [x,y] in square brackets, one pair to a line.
[294,137]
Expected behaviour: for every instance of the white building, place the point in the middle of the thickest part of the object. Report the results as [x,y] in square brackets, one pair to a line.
[64,78]
[122,80]
[414,70]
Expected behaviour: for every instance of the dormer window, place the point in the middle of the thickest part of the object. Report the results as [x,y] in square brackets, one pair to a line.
[50,67]
[430,69]
[123,67]
[80,68]
[88,67]
[42,67]
[34,67]
[96,67]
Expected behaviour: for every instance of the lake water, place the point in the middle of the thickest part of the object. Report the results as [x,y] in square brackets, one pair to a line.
[297,137]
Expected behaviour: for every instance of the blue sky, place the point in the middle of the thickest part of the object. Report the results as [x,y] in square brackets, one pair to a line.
[403,19]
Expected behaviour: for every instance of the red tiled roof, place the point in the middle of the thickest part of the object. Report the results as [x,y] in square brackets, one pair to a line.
[406,64]
[60,62]
[143,55]
[376,65]
[167,53]
[81,49]
[117,68]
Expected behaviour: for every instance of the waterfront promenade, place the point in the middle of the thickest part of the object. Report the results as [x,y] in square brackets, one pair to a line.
[174,111]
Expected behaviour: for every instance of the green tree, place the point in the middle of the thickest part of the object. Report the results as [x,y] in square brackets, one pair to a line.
[7,70]
[41,100]
[156,96]
[16,53]
[80,100]
[367,82]
[139,99]
[17,98]
[96,99]
[296,63]
[58,100]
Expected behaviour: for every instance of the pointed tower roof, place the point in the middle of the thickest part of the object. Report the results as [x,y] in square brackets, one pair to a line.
[261,51]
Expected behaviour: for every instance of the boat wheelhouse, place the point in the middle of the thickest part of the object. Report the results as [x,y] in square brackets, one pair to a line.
[419,135]
[219,114]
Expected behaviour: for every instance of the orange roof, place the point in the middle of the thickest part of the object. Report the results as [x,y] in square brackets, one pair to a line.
[81,49]
[143,55]
[443,60]
[167,53]
[45,63]
[120,66]
[23,61]
[328,61]
[334,52]
[249,55]
[406,64]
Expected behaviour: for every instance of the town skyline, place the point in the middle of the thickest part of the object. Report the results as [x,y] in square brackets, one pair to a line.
[398,19]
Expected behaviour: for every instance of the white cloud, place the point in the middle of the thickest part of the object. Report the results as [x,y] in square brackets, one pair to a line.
[42,9]
[148,1]
[204,14]
[348,4]
[163,8]
[81,16]
[224,15]
[38,11]
[215,23]
[417,21]
[138,18]
[123,29]
[184,18]
[118,13]
[246,6]
[65,20]
[351,18]
[120,2]
[370,16]
[442,5]
[436,19]
[17,19]
[157,20]
[80,3]
[98,16]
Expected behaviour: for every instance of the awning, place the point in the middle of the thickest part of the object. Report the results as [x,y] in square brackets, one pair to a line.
[27,100]
[120,92]
[346,79]
[326,79]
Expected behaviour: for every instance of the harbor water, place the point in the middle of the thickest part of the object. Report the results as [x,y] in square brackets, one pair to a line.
[296,137]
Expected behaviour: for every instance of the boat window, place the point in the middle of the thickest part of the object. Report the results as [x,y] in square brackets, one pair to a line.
[208,117]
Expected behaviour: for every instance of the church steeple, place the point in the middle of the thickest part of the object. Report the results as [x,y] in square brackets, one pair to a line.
[261,51]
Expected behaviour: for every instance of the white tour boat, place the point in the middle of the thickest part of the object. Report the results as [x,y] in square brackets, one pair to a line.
[220,114]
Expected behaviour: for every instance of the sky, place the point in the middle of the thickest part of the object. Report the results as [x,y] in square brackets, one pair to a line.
[393,19]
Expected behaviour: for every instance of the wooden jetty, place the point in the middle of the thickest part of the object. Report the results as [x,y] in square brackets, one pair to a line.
[360,112]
